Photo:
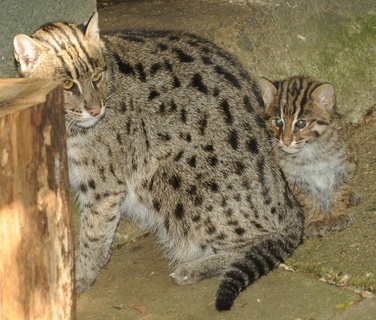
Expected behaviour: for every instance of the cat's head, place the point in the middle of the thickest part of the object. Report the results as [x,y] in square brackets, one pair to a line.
[72,55]
[297,110]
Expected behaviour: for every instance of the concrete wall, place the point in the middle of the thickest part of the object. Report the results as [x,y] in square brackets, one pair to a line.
[25,16]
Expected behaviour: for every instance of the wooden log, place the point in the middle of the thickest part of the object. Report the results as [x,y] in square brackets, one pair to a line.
[36,247]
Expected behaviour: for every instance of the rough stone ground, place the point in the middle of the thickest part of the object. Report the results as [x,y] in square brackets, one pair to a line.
[333,277]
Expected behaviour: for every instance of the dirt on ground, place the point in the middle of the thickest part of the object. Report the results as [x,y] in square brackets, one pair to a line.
[327,277]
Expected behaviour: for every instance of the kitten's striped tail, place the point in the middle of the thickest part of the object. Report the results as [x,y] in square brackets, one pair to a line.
[258,260]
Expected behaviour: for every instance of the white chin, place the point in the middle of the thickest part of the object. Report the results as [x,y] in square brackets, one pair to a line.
[89,122]
[290,150]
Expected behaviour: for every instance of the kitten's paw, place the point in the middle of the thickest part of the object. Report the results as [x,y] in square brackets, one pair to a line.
[83,285]
[183,274]
[316,228]
[341,222]
[354,198]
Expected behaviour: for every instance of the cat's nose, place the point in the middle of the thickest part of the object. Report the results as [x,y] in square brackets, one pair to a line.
[286,142]
[95,112]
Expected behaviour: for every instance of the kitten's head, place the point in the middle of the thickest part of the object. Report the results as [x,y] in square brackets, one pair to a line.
[72,55]
[297,110]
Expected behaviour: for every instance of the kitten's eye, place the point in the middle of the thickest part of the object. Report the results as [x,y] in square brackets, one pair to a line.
[300,124]
[278,122]
[68,84]
[96,77]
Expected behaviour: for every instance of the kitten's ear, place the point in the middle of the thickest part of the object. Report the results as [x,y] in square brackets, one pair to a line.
[26,51]
[92,28]
[324,96]
[268,90]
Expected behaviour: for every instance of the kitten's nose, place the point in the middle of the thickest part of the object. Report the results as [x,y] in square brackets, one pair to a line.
[286,142]
[95,112]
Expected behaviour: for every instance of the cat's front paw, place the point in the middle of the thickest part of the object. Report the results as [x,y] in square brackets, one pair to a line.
[340,222]
[183,274]
[316,228]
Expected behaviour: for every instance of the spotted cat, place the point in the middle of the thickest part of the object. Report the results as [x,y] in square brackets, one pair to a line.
[167,129]
[313,148]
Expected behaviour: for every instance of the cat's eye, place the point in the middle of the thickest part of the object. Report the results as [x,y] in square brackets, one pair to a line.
[68,84]
[96,77]
[300,124]
[278,122]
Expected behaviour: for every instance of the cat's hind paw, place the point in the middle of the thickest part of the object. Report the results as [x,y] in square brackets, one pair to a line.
[341,222]
[183,274]
[316,228]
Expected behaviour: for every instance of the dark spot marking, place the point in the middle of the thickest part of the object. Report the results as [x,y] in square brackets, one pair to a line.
[92,184]
[164,136]
[192,190]
[197,83]
[173,106]
[206,60]
[247,104]
[183,115]
[168,65]
[124,67]
[239,167]
[226,110]
[322,123]
[213,161]
[175,181]
[176,82]
[233,139]
[178,156]
[83,188]
[211,229]
[156,205]
[208,148]
[98,196]
[228,76]
[119,139]
[252,145]
[196,218]
[179,211]
[155,68]
[229,212]
[153,94]
[162,107]
[203,124]
[162,46]
[183,57]
[213,186]
[198,201]
[239,231]
[192,161]
[141,72]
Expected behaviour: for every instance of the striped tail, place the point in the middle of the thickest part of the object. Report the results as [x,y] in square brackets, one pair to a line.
[257,261]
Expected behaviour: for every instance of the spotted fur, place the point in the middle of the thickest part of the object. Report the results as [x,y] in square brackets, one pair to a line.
[167,128]
[314,151]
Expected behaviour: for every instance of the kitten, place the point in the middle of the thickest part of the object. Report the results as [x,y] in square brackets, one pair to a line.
[167,128]
[313,150]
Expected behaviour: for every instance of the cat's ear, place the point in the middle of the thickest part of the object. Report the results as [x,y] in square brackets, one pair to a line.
[92,28]
[268,90]
[324,96]
[26,51]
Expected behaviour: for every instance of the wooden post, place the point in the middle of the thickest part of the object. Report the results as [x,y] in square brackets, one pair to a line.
[36,247]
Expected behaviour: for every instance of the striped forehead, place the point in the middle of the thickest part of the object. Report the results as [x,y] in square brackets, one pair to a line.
[70,46]
[293,95]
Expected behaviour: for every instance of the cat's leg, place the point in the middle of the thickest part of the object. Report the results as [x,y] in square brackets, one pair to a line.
[203,268]
[98,225]
[315,220]
[340,216]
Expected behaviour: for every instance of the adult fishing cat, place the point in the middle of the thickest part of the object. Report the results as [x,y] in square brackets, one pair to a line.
[167,128]
[313,150]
